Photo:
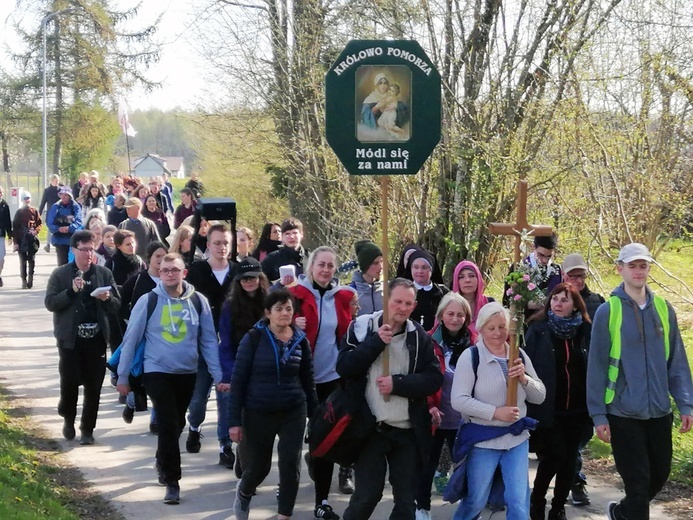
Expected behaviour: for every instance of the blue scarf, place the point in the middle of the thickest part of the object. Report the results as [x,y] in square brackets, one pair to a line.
[564,328]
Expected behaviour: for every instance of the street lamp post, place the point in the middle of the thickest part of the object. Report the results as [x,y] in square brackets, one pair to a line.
[44,22]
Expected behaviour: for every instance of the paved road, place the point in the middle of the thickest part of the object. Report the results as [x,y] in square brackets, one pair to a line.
[120,463]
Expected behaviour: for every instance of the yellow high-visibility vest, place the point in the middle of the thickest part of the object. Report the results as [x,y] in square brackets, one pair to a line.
[615,322]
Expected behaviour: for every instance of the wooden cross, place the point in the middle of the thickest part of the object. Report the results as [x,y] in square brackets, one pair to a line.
[519,229]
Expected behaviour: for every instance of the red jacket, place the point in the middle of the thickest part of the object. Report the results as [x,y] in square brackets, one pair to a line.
[307,307]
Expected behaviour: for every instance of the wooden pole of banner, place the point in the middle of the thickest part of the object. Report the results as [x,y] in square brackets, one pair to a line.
[517,229]
[385,192]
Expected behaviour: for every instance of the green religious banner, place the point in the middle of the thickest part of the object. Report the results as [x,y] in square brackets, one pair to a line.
[382,117]
[382,104]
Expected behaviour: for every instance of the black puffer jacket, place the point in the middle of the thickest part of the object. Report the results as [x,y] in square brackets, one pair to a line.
[269,378]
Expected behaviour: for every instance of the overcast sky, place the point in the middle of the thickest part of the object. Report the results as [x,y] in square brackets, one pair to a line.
[179,69]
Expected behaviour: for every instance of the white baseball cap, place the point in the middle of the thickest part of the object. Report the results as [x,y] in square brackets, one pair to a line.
[634,251]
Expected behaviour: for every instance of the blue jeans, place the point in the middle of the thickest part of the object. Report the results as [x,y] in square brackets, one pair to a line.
[481,465]
[197,410]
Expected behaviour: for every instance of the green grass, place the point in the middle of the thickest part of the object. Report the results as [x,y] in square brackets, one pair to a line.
[27,486]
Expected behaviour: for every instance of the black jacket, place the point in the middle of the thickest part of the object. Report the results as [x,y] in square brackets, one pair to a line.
[284,256]
[592,301]
[63,302]
[563,371]
[423,379]
[136,286]
[116,216]
[5,220]
[268,378]
[201,277]
[124,266]
[50,197]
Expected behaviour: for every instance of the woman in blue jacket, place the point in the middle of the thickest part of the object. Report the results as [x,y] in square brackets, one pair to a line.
[273,391]
[557,342]
[244,307]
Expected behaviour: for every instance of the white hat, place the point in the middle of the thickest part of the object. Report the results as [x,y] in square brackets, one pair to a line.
[634,251]
[26,195]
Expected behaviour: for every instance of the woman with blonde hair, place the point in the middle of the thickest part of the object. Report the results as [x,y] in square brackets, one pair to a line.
[323,310]
[182,242]
[496,435]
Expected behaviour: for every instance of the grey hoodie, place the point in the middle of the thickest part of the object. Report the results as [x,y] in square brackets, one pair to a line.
[172,334]
[370,294]
[645,378]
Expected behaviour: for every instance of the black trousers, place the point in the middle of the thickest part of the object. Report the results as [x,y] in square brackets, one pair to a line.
[642,452]
[425,476]
[559,449]
[393,447]
[26,260]
[323,469]
[170,395]
[259,431]
[84,365]
[62,254]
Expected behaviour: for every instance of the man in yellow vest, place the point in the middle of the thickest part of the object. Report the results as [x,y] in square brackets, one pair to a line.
[636,360]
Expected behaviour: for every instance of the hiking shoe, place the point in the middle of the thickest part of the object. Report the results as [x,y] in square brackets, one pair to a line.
[325,511]
[237,469]
[68,430]
[192,443]
[172,496]
[226,457]
[128,414]
[241,505]
[611,510]
[557,514]
[423,514]
[346,484]
[86,439]
[579,495]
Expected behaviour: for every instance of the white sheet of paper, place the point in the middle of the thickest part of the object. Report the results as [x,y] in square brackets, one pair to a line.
[100,290]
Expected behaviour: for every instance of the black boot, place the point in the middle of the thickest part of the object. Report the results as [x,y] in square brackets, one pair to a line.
[537,508]
[556,513]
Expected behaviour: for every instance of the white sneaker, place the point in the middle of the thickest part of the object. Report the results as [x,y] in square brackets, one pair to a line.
[423,514]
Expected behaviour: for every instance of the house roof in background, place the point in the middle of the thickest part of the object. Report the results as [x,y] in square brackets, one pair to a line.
[174,163]
[159,160]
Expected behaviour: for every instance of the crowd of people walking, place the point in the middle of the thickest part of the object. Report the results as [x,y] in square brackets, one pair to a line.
[276,331]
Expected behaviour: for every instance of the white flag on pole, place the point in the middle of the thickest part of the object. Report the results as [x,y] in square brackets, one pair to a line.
[124,120]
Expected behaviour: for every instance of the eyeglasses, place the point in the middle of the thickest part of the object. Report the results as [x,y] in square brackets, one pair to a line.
[85,249]
[173,270]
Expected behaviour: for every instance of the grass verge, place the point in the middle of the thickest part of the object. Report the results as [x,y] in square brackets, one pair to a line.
[35,482]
